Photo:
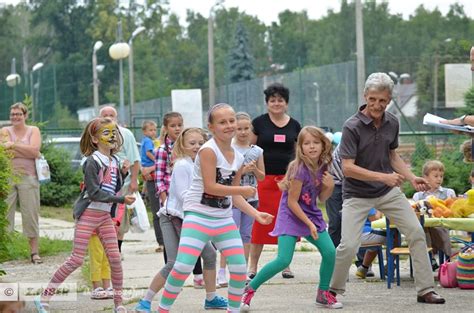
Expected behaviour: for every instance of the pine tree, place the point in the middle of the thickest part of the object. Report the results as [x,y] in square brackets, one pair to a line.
[240,60]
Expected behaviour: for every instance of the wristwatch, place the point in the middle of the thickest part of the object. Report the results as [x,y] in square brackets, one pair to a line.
[461,119]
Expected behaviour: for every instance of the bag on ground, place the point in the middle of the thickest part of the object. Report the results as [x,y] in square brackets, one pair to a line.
[447,273]
[465,268]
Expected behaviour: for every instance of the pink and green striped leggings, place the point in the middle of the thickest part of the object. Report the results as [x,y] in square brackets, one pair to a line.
[197,230]
[102,223]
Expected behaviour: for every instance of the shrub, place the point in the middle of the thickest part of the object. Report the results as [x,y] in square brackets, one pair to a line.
[5,178]
[64,186]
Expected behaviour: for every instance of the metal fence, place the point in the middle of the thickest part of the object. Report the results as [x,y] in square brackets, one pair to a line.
[324,96]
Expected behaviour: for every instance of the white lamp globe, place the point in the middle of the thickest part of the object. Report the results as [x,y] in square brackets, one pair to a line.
[13,80]
[119,50]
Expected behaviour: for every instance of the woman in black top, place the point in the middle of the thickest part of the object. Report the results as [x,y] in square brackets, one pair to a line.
[276,133]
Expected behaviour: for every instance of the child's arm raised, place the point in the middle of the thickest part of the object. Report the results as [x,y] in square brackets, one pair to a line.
[327,188]
[294,193]
[260,169]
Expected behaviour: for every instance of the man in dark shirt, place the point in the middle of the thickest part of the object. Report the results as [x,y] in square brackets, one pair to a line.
[373,173]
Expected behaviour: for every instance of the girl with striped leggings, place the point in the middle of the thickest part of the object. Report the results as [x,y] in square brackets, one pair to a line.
[100,140]
[208,210]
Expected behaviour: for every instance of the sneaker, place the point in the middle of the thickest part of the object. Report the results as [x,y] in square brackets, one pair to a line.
[40,307]
[218,303]
[143,306]
[98,294]
[362,272]
[198,283]
[246,298]
[222,280]
[327,299]
[370,273]
[110,293]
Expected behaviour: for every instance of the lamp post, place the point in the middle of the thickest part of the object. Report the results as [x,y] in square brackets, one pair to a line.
[13,79]
[130,72]
[318,105]
[210,52]
[33,86]
[398,80]
[119,51]
[472,64]
[95,81]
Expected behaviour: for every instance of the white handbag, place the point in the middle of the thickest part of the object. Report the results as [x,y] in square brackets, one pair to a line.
[139,222]
[42,170]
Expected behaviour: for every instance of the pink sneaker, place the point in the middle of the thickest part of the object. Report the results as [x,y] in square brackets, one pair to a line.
[198,283]
[327,299]
[246,298]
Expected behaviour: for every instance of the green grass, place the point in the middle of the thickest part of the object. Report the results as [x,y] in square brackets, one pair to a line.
[86,271]
[64,214]
[19,249]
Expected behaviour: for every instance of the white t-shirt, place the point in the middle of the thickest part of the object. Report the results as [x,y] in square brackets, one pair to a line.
[181,179]
[196,200]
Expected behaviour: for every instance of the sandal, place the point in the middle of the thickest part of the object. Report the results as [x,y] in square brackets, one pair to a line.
[287,273]
[251,275]
[110,293]
[98,294]
[37,260]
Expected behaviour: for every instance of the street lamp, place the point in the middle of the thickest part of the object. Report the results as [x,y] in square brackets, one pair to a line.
[35,68]
[472,64]
[95,81]
[210,52]
[119,51]
[318,105]
[398,79]
[13,79]
[130,71]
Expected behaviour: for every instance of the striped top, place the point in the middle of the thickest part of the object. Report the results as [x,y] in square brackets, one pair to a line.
[336,167]
[108,181]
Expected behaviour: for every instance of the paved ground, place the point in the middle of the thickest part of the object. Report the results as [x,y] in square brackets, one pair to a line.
[278,295]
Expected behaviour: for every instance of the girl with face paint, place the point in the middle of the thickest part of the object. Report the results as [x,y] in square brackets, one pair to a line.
[95,207]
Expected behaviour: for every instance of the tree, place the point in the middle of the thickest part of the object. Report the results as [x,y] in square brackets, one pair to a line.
[468,102]
[240,59]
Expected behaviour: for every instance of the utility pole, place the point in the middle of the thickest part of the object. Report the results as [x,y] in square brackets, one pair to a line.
[360,51]
[210,49]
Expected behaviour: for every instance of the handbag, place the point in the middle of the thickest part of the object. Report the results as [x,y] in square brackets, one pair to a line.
[465,268]
[447,273]
[139,222]
[42,170]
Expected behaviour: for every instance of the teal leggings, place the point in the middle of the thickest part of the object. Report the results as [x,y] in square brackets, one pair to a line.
[286,248]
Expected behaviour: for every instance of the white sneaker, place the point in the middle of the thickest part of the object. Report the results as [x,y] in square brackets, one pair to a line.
[222,280]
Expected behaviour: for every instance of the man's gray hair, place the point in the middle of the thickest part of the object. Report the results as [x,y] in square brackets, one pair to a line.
[379,82]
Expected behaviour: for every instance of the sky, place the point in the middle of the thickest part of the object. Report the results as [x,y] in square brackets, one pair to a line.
[267,10]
